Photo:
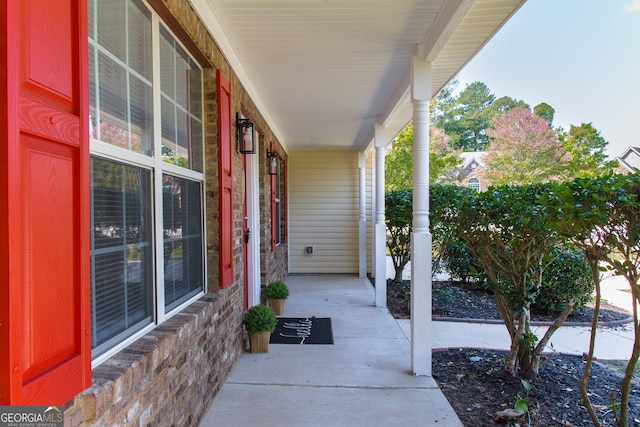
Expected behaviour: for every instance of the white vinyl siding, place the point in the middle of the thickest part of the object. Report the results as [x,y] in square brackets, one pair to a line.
[323,211]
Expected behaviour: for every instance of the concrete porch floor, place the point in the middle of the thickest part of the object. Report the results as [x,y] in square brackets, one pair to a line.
[364,379]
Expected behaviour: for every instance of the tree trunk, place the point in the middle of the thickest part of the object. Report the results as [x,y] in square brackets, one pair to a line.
[513,358]
[582,382]
[625,387]
[398,277]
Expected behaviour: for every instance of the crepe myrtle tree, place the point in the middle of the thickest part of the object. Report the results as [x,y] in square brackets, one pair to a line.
[602,216]
[510,231]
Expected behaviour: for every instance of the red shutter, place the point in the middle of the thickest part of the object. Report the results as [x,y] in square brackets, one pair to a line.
[274,183]
[44,207]
[225,176]
[285,203]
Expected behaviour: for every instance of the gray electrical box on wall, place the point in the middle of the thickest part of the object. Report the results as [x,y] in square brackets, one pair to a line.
[308,250]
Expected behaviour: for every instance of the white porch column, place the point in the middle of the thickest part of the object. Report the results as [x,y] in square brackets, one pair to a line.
[362,222]
[380,237]
[421,237]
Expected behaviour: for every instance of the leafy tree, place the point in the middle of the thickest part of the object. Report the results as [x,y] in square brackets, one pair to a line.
[399,161]
[443,160]
[510,232]
[545,111]
[466,117]
[585,147]
[399,222]
[523,150]
[602,217]
[505,104]
[444,203]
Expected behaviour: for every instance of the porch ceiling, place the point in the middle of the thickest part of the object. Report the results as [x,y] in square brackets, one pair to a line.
[323,72]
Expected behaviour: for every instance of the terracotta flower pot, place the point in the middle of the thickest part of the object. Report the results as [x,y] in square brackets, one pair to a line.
[277,305]
[259,341]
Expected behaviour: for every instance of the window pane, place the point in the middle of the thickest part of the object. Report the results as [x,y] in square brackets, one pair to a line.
[181,83]
[90,22]
[141,117]
[167,67]
[113,103]
[183,254]
[112,27]
[196,145]
[93,108]
[169,149]
[121,251]
[121,111]
[183,79]
[184,137]
[140,48]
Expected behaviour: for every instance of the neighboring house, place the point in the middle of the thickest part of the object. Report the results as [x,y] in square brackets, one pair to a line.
[135,224]
[473,170]
[629,161]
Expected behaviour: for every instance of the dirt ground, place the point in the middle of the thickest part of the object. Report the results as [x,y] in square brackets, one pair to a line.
[474,381]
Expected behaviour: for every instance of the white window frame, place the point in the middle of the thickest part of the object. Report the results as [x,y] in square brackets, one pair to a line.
[158,167]
[474,184]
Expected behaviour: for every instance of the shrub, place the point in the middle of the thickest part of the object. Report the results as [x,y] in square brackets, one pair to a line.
[260,318]
[448,296]
[566,276]
[461,262]
[276,290]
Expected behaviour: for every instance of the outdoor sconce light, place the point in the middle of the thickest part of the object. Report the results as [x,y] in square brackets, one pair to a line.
[246,143]
[272,162]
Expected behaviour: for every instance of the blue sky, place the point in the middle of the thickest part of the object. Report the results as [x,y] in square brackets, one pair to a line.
[582,57]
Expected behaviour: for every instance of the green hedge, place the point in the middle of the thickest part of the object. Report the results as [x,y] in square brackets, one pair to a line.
[567,275]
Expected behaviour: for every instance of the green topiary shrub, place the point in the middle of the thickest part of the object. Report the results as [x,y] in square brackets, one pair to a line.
[259,318]
[276,290]
[566,276]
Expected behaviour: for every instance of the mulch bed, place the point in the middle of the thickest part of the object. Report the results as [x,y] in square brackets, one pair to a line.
[460,300]
[476,386]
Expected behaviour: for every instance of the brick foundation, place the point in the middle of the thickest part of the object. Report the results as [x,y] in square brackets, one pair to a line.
[170,376]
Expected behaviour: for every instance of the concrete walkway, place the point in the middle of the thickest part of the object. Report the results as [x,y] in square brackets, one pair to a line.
[361,380]
[364,379]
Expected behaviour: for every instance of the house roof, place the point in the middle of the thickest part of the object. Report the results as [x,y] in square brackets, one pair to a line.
[630,159]
[469,156]
[323,72]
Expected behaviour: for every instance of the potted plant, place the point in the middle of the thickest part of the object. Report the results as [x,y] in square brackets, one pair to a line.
[259,321]
[275,293]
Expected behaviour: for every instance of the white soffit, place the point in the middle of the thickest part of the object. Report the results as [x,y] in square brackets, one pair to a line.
[322,72]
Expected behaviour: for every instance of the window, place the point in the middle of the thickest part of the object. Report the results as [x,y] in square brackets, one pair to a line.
[121,250]
[147,256]
[474,184]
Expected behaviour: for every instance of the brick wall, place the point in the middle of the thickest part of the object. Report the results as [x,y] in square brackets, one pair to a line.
[170,376]
[274,265]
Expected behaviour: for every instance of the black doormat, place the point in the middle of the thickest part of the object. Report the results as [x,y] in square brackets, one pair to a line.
[311,330]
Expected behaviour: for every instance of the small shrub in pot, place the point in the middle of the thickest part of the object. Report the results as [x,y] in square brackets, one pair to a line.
[276,290]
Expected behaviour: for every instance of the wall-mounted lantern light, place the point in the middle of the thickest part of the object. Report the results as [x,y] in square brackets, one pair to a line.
[272,162]
[246,142]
